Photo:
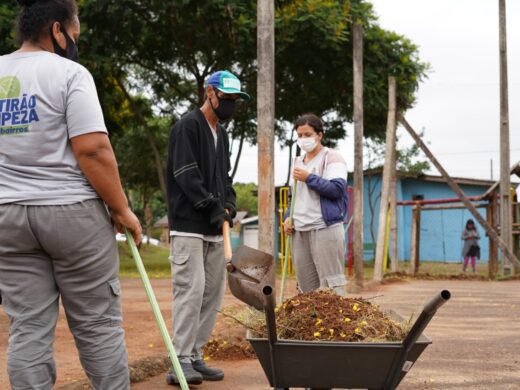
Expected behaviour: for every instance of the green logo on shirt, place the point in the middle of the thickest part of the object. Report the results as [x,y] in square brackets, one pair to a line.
[16,112]
[9,87]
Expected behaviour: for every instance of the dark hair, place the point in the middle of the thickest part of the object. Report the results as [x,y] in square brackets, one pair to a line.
[312,120]
[470,222]
[36,17]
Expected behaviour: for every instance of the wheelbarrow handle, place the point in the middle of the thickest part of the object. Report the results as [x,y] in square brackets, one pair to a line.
[425,317]
[418,327]
[269,305]
[436,302]
[270,319]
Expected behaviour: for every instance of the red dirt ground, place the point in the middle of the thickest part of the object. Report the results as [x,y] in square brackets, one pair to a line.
[476,337]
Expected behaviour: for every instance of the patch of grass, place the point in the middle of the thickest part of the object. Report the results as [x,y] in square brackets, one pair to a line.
[155,260]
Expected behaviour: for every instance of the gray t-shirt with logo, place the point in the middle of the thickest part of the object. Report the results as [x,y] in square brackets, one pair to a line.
[45,100]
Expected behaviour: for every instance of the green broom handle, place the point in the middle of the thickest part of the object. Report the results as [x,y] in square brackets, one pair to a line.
[288,243]
[157,312]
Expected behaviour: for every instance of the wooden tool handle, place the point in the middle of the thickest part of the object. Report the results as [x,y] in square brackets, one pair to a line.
[228,253]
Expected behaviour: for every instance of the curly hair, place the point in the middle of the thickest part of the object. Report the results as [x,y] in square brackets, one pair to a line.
[36,17]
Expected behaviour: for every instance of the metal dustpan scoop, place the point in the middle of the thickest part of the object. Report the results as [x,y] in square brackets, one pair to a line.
[249,270]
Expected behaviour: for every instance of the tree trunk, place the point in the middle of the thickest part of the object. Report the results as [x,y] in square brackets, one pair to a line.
[239,153]
[385,185]
[148,216]
[357,46]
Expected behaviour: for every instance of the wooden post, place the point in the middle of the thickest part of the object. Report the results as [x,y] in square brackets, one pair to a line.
[490,252]
[394,253]
[265,108]
[505,176]
[357,45]
[415,247]
[516,232]
[493,245]
[385,184]
[455,187]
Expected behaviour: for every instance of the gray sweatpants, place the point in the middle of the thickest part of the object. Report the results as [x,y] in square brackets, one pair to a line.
[198,274]
[69,251]
[318,257]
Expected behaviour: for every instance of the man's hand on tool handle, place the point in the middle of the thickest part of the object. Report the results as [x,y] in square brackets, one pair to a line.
[126,218]
[288,227]
[301,174]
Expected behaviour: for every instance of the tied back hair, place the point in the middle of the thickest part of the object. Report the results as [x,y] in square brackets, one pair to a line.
[36,17]
[311,120]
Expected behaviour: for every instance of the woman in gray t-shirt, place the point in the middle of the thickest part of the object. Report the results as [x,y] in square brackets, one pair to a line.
[58,178]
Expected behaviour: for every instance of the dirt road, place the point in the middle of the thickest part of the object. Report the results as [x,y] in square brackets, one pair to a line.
[476,337]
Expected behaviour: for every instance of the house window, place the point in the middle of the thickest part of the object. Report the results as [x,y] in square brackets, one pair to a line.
[418,197]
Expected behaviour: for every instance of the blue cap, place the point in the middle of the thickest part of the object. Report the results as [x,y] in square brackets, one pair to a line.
[226,82]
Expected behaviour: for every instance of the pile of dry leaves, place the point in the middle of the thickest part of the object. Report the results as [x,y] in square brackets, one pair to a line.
[324,315]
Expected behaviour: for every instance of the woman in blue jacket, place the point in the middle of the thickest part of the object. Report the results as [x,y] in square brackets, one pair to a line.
[318,244]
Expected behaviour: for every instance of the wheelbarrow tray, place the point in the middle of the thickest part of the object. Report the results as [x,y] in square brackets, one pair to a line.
[328,364]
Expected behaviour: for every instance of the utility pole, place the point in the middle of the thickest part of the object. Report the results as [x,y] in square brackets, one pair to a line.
[265,113]
[505,175]
[357,46]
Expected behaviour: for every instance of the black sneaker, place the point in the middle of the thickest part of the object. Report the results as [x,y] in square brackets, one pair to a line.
[192,376]
[208,374]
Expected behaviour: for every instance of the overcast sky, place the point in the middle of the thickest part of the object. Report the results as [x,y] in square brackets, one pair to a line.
[458,105]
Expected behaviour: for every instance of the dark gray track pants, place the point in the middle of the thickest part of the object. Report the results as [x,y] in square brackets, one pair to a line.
[48,252]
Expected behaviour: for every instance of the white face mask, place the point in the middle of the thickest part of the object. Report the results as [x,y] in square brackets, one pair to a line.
[307,144]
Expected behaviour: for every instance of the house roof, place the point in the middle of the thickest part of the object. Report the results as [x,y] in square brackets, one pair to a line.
[240,216]
[162,222]
[440,179]
[250,220]
[458,180]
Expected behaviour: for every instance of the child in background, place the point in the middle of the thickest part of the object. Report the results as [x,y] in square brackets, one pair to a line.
[471,249]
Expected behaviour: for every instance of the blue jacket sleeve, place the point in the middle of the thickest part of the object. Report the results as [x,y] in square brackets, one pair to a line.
[332,189]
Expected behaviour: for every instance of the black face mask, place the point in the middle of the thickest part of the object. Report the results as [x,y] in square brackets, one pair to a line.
[70,52]
[225,109]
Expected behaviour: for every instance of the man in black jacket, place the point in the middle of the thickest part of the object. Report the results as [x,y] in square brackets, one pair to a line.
[200,199]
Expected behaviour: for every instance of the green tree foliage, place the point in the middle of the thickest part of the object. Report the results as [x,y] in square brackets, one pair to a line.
[150,59]
[246,197]
[314,64]
[8,12]
[170,47]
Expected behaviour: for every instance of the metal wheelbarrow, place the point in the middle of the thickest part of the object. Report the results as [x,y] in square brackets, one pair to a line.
[324,365]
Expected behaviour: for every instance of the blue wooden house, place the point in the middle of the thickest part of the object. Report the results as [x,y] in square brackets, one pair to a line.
[440,229]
